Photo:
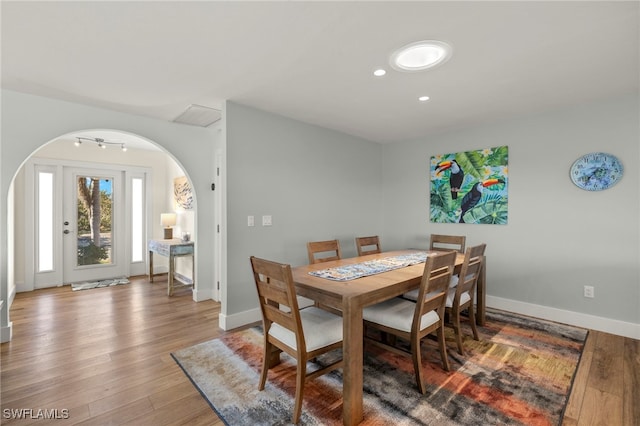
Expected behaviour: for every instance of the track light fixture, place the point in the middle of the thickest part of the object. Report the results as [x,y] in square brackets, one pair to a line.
[100,142]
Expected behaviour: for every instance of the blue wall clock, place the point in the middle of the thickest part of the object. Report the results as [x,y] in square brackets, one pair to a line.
[596,171]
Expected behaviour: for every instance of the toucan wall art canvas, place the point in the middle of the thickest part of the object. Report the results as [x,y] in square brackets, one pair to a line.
[470,187]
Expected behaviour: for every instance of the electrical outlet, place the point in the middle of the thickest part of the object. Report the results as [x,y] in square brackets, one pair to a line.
[589,291]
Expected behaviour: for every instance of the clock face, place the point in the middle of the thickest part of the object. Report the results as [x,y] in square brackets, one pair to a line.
[596,171]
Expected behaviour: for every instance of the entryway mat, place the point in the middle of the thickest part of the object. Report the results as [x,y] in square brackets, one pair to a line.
[98,284]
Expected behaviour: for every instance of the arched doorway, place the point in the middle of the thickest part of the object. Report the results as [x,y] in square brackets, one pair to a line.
[191,147]
[140,177]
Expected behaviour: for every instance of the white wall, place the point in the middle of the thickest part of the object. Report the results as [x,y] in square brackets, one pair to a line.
[29,121]
[317,184]
[559,238]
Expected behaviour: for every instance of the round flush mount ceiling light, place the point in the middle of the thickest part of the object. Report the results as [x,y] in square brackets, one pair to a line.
[420,55]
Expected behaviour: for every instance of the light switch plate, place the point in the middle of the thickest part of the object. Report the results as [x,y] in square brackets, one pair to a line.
[250,221]
[266,220]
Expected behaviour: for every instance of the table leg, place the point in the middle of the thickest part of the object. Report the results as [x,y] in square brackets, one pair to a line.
[150,266]
[352,352]
[481,294]
[172,261]
[193,271]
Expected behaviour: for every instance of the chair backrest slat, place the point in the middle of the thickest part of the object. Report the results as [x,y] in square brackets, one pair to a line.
[447,242]
[317,247]
[363,242]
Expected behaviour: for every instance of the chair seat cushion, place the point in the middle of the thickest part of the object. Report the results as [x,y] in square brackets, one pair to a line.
[454,281]
[397,313]
[464,297]
[320,328]
[303,302]
[413,295]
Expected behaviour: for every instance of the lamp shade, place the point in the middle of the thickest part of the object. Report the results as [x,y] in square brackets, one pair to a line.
[168,219]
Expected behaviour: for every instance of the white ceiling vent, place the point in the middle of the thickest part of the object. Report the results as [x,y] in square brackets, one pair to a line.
[198,115]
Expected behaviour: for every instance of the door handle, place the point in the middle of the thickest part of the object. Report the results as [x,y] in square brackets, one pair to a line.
[66,231]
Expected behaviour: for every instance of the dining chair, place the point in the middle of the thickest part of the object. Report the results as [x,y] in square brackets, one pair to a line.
[368,245]
[329,249]
[447,242]
[411,321]
[302,333]
[462,296]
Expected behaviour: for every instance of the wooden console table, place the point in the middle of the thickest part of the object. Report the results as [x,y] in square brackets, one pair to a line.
[172,249]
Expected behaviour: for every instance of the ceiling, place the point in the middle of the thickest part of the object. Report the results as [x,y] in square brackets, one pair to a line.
[313,61]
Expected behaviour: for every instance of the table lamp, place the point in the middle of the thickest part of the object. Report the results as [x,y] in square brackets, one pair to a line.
[168,220]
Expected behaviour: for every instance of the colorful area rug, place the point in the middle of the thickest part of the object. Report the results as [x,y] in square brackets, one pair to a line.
[519,373]
[370,267]
[99,284]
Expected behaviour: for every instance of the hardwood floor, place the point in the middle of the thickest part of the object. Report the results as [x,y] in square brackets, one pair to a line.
[606,389]
[102,357]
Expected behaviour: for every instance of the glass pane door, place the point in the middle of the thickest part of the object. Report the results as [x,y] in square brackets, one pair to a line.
[89,222]
[95,230]
[94,221]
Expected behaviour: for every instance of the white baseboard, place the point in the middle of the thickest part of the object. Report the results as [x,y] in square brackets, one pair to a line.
[229,322]
[620,328]
[592,322]
[200,295]
[5,333]
[12,294]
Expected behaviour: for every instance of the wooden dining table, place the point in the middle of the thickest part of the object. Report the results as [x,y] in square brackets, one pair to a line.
[351,297]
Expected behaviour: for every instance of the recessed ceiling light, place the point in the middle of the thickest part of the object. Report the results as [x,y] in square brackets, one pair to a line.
[420,55]
[423,98]
[379,72]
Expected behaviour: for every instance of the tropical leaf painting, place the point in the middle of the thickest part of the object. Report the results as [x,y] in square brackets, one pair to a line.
[182,193]
[470,187]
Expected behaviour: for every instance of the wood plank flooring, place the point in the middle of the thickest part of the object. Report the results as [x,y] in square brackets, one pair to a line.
[606,389]
[102,357]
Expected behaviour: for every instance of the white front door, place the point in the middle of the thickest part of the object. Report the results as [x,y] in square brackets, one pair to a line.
[89,223]
[93,224]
